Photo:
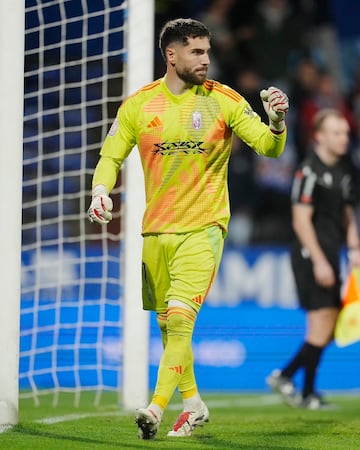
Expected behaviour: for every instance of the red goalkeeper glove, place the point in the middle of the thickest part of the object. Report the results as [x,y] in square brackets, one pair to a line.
[101,206]
[276,105]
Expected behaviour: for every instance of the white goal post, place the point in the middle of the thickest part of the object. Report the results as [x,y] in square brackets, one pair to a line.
[136,351]
[11,128]
[66,300]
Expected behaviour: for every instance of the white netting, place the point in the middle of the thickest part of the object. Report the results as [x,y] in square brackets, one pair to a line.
[70,312]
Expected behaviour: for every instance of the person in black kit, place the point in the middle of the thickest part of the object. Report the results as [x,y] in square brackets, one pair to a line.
[323,199]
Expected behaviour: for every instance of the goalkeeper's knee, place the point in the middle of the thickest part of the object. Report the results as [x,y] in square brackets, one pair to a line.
[180,321]
[162,323]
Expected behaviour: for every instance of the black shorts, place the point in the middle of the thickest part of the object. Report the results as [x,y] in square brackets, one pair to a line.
[311,295]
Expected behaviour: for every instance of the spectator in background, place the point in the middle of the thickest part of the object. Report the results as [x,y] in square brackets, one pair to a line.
[323,198]
[278,40]
[164,11]
[303,88]
[216,16]
[259,187]
[326,95]
[320,36]
[241,23]
[346,14]
[296,42]
[242,186]
[355,147]
[354,102]
[272,215]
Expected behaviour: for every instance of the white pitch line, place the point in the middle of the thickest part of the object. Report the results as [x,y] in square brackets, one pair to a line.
[73,417]
[4,428]
[249,402]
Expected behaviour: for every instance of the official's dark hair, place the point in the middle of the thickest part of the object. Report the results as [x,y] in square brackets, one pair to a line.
[179,30]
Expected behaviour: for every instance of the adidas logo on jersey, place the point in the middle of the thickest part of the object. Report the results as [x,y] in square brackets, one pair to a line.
[198,299]
[156,122]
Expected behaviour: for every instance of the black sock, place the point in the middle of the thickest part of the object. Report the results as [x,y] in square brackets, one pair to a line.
[311,363]
[296,363]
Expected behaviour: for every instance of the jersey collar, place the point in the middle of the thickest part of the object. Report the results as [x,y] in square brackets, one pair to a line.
[178,98]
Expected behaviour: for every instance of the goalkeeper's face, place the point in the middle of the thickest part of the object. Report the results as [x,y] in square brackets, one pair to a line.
[191,61]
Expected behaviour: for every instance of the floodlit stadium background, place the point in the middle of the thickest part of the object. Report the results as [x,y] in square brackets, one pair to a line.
[250,322]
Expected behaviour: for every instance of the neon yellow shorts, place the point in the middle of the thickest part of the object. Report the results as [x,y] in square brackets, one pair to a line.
[180,267]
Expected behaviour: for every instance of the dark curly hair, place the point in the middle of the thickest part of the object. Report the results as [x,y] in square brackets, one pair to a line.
[179,30]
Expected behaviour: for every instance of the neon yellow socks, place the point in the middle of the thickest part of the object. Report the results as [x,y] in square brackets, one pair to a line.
[177,359]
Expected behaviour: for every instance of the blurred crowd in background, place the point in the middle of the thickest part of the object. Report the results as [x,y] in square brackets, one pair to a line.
[308,48]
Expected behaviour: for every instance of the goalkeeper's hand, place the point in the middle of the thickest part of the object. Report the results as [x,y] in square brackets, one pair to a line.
[276,105]
[101,206]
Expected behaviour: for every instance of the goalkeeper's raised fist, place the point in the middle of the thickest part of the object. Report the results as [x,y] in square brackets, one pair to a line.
[101,206]
[276,105]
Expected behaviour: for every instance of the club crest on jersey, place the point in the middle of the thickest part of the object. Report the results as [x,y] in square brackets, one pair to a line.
[196,120]
[328,179]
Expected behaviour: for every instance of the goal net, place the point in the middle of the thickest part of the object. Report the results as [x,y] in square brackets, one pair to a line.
[72,289]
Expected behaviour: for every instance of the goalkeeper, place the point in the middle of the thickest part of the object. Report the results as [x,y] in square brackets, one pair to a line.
[182,125]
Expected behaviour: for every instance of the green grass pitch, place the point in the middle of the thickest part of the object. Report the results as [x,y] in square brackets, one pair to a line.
[237,421]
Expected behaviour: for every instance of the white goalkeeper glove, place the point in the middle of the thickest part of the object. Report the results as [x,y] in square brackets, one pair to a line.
[101,206]
[276,105]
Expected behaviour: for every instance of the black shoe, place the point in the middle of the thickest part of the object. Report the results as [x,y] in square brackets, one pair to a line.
[148,424]
[315,402]
[283,386]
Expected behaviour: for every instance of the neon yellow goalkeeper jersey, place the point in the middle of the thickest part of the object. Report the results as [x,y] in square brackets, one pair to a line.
[184,143]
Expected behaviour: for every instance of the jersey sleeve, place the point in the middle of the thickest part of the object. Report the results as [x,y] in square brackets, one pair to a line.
[303,186]
[247,125]
[118,144]
[121,137]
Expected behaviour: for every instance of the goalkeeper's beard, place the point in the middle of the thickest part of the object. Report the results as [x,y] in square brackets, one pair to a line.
[192,78]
